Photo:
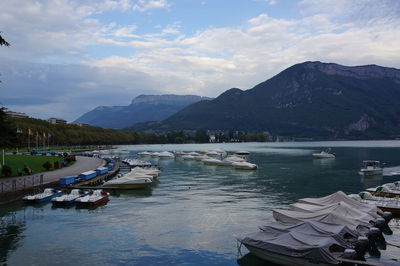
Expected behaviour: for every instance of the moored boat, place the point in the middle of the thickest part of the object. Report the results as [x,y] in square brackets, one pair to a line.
[130,180]
[93,199]
[244,165]
[211,161]
[46,196]
[242,152]
[68,199]
[371,168]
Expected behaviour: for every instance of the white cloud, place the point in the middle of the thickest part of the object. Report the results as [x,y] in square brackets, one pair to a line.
[168,61]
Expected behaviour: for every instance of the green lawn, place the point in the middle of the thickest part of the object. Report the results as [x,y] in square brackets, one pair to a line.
[34,162]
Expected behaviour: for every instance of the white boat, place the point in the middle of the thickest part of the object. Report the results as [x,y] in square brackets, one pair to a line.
[244,165]
[228,161]
[154,154]
[189,157]
[144,153]
[180,153]
[68,199]
[130,180]
[371,167]
[136,162]
[324,155]
[166,155]
[94,198]
[211,161]
[45,196]
[154,172]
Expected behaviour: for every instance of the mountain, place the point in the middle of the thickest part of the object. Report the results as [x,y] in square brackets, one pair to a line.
[311,99]
[142,108]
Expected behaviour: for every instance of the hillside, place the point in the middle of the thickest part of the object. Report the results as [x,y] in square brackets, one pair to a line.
[142,108]
[311,99]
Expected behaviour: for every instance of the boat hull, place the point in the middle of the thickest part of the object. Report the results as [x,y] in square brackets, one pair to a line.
[281,259]
[384,194]
[48,198]
[87,204]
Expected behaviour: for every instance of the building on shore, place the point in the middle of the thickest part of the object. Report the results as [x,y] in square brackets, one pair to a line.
[56,121]
[16,114]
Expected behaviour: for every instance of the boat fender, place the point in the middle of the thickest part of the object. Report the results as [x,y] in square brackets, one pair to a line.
[361,247]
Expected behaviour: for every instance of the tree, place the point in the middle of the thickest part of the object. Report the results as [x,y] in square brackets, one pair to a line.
[3,42]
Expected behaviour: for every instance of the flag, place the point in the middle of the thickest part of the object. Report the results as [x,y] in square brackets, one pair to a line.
[49,135]
[19,130]
[44,135]
[30,131]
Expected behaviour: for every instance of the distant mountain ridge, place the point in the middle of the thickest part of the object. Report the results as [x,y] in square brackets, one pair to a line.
[310,99]
[143,108]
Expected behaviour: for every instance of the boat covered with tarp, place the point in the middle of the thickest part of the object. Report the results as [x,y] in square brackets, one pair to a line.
[337,197]
[340,213]
[304,243]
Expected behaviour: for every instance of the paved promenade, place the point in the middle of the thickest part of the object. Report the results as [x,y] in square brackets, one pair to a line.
[82,164]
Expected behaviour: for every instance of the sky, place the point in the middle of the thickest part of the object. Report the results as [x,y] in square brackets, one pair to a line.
[70,56]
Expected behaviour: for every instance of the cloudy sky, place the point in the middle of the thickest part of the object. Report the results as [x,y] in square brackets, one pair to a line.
[69,56]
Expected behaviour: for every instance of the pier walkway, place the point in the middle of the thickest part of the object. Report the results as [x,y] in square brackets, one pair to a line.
[82,164]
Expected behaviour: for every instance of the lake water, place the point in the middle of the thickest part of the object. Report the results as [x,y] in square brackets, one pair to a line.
[193,214]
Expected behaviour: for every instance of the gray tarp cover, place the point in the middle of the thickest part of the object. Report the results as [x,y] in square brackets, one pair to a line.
[340,196]
[308,240]
[340,213]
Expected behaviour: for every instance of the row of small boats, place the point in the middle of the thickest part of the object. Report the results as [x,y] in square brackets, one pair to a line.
[214,157]
[136,178]
[78,197]
[335,229]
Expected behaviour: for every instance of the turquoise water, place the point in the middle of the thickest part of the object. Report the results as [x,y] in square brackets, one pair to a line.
[193,214]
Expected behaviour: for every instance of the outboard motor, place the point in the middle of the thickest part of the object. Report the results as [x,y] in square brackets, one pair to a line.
[361,247]
[382,224]
[350,254]
[387,216]
[373,236]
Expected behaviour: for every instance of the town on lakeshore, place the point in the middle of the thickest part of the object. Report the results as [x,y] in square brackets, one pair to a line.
[159,132]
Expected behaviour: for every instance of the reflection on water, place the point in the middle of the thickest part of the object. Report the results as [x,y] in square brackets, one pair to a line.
[327,162]
[193,213]
[371,181]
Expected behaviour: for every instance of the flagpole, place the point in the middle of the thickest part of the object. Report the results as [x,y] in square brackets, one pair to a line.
[29,141]
[37,136]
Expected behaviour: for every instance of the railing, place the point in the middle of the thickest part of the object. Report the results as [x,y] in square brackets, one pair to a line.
[21,183]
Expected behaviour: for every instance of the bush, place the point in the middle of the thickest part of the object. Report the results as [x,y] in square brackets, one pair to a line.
[47,165]
[6,170]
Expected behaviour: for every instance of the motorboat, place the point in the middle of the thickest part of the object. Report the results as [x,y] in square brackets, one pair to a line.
[144,153]
[243,153]
[189,157]
[45,196]
[131,180]
[228,161]
[244,165]
[154,154]
[166,155]
[136,163]
[371,168]
[384,204]
[211,161]
[154,172]
[180,153]
[93,199]
[68,199]
[305,243]
[386,190]
[324,155]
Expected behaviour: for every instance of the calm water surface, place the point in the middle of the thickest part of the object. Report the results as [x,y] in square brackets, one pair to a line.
[193,214]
